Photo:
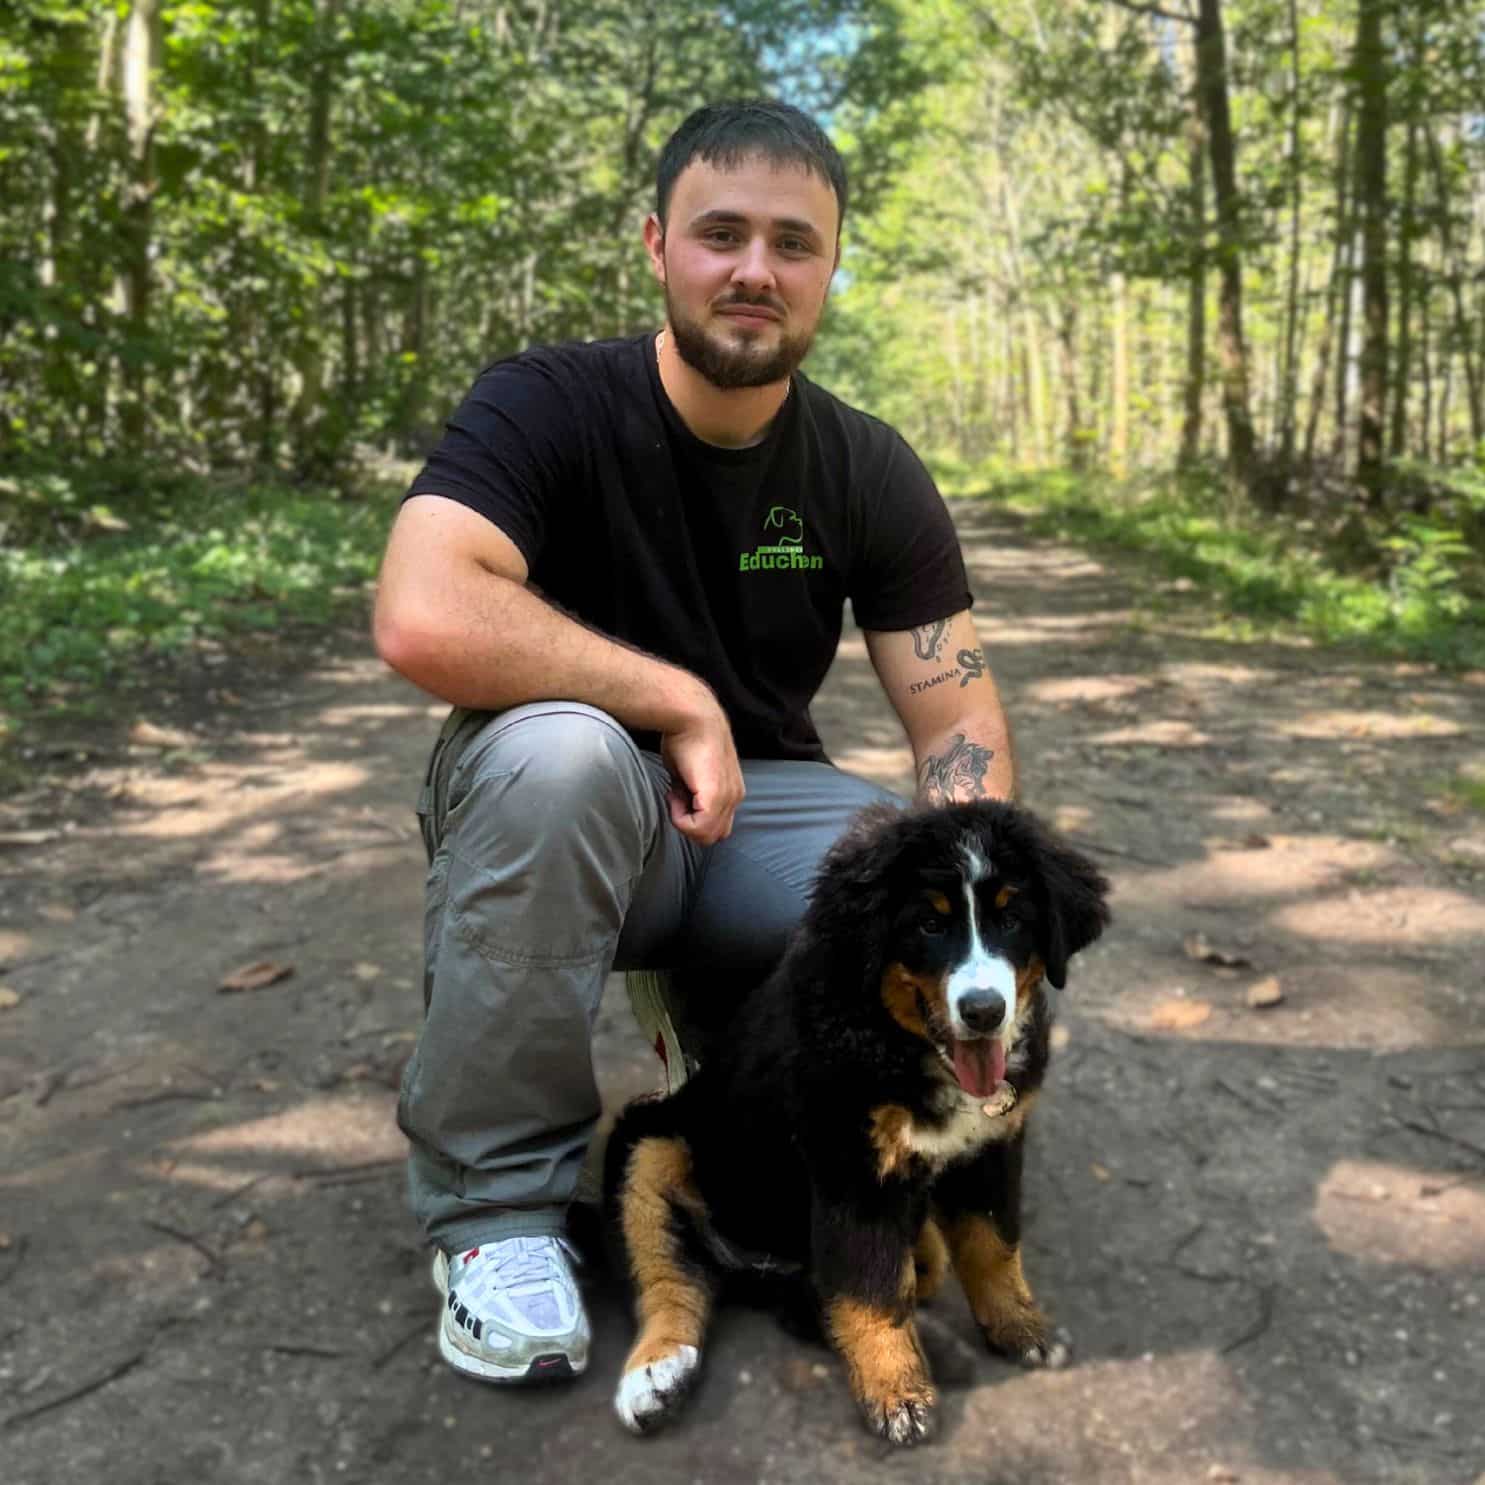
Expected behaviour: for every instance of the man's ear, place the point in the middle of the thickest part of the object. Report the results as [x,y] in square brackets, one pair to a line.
[655,245]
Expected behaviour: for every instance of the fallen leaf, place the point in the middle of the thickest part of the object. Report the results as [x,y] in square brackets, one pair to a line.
[1100,1172]
[9,999]
[5,1242]
[1179,1015]
[147,735]
[256,975]
[1266,992]
[1198,948]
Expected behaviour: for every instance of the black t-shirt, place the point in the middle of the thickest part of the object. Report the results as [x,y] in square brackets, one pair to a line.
[733,563]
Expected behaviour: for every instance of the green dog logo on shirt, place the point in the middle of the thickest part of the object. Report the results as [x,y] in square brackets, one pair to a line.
[787,549]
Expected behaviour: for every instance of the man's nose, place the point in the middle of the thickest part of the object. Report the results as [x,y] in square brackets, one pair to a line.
[753,269]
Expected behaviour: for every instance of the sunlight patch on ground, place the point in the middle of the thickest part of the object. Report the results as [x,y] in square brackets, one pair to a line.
[1196,673]
[1190,1396]
[1388,915]
[1159,733]
[887,766]
[1290,865]
[218,801]
[1072,817]
[1380,1213]
[356,713]
[13,946]
[1056,691]
[1320,726]
[344,1129]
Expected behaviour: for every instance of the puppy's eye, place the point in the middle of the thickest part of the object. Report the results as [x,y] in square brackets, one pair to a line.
[932,925]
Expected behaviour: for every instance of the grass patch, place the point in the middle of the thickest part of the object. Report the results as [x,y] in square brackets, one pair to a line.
[1467,791]
[1402,586]
[94,589]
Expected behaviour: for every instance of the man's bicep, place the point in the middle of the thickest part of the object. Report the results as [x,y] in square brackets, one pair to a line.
[433,539]
[933,674]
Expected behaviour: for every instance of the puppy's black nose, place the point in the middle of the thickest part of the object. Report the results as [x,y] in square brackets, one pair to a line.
[982,1010]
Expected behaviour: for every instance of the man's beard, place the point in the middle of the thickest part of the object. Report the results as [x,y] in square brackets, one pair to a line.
[731,364]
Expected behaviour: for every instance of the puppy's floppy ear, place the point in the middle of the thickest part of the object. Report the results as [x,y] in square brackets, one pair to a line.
[1074,903]
[852,883]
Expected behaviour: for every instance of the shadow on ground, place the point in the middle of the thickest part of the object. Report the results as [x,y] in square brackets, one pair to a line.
[1263,1228]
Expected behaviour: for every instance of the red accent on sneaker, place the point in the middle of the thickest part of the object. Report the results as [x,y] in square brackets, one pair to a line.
[660,1052]
[473,1253]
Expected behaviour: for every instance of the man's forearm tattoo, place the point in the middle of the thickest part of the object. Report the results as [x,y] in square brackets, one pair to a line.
[973,663]
[956,773]
[928,639]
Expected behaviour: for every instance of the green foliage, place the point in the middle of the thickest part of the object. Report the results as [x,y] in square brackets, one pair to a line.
[199,564]
[1424,599]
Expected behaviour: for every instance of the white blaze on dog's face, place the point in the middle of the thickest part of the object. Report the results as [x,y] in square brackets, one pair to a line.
[964,965]
[984,981]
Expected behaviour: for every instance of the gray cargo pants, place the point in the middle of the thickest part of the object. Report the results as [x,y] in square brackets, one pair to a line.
[552,862]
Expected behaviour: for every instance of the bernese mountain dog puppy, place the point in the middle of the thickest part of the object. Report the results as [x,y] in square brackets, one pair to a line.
[859,1125]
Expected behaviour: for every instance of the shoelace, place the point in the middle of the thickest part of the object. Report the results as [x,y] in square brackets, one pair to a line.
[524,1261]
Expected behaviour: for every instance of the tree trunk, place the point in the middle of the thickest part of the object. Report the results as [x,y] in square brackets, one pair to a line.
[1119,379]
[141,57]
[1333,290]
[1371,192]
[310,358]
[1452,276]
[1196,294]
[1289,383]
[1211,70]
[1398,442]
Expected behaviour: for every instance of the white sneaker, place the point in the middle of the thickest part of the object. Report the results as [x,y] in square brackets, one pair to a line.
[512,1311]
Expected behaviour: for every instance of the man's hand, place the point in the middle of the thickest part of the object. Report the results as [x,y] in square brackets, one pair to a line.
[706,778]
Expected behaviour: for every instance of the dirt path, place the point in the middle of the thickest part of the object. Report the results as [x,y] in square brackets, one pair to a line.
[1263,1228]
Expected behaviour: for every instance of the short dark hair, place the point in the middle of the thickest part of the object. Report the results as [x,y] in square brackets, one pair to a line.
[727,134]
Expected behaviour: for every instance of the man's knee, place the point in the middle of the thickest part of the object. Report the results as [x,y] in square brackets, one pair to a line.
[553,765]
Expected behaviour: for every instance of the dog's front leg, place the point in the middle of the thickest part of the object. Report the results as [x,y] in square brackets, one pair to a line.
[863,1270]
[673,1288]
[977,1203]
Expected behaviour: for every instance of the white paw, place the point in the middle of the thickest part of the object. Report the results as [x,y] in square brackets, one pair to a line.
[1053,1354]
[648,1394]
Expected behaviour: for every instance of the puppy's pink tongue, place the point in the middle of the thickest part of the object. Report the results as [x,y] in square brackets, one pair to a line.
[979,1065]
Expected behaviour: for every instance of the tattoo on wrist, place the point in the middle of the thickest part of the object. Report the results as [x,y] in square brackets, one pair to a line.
[956,773]
[928,639]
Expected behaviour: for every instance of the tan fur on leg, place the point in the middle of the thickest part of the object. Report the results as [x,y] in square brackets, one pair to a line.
[930,1261]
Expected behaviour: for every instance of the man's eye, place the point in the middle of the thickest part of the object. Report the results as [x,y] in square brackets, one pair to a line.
[794,245]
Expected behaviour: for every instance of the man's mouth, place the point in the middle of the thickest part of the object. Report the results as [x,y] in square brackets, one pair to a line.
[750,314]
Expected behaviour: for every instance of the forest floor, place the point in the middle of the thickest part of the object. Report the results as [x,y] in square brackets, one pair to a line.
[1263,1227]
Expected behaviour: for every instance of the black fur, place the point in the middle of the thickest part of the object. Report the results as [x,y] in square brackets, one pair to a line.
[778,1120]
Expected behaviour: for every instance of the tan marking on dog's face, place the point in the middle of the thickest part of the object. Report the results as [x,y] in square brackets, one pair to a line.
[906,996]
[1003,897]
[884,1361]
[940,904]
[891,1137]
[672,1304]
[990,1270]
